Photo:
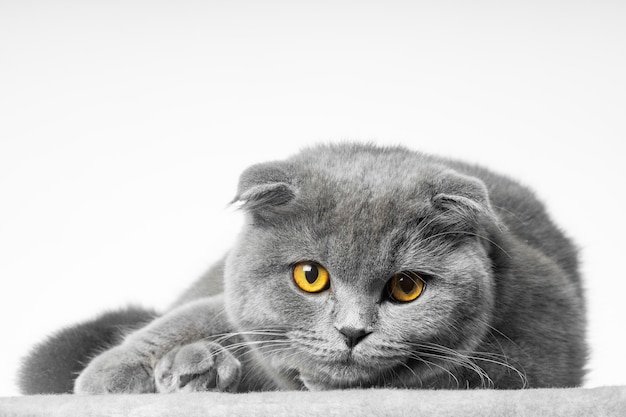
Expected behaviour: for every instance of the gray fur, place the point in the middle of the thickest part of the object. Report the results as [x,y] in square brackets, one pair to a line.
[503,304]
[54,364]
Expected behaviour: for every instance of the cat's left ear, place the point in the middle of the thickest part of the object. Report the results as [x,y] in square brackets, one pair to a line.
[463,201]
[265,188]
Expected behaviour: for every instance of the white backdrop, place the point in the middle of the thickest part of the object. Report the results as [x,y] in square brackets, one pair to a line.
[124,126]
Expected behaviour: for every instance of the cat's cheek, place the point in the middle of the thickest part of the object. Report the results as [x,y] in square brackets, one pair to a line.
[400,322]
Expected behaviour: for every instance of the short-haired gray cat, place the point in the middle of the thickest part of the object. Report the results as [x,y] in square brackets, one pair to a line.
[358,266]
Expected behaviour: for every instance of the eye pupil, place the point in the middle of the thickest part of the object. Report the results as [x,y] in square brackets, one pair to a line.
[406,284]
[310,273]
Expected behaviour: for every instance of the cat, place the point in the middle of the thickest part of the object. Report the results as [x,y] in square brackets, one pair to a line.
[358,267]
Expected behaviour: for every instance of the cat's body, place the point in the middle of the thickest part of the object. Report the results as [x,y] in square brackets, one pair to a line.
[361,266]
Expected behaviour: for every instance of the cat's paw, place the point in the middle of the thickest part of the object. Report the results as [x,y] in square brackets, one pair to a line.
[198,366]
[118,370]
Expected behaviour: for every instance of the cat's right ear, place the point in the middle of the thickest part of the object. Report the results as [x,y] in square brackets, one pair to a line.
[265,189]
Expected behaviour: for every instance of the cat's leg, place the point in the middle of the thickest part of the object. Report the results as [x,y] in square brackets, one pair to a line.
[171,339]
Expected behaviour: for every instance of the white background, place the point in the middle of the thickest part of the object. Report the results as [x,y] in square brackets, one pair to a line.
[124,126]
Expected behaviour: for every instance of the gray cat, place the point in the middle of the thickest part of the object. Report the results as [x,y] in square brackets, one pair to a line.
[358,266]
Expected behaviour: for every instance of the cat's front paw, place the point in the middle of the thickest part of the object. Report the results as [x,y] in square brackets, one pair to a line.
[198,366]
[118,370]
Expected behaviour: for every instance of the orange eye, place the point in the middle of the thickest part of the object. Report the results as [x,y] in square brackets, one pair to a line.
[405,286]
[311,277]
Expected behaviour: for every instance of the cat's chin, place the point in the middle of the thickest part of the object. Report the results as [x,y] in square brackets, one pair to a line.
[340,377]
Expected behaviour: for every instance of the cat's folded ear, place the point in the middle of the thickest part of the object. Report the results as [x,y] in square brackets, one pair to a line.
[463,202]
[265,188]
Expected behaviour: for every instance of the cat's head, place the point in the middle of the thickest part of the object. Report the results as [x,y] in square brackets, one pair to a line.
[360,265]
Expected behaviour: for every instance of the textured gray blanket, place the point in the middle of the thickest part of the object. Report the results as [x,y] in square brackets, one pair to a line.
[605,401]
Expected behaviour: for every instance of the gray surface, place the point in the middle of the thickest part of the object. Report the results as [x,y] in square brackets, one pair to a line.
[605,401]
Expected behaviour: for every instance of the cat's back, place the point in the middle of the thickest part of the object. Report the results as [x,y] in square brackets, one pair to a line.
[525,216]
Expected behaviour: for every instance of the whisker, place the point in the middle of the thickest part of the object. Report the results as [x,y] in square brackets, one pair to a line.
[468,359]
[517,217]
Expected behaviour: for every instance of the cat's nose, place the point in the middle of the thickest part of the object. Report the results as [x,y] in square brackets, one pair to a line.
[353,335]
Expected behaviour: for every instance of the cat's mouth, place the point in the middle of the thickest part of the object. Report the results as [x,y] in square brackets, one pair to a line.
[340,378]
[340,374]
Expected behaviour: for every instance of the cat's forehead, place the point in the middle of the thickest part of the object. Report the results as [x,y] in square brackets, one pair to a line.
[358,225]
